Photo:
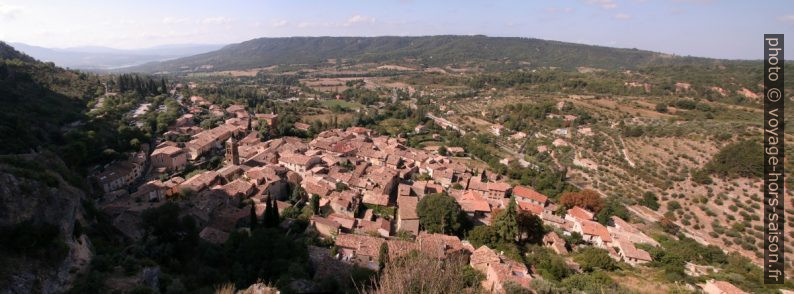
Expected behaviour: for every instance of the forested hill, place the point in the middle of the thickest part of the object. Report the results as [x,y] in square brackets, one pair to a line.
[427,50]
[37,99]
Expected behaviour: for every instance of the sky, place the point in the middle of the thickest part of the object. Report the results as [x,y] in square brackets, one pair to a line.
[709,28]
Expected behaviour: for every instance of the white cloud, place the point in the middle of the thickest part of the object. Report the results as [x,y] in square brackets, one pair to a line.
[787,18]
[622,16]
[358,18]
[8,12]
[217,20]
[279,23]
[605,4]
[174,20]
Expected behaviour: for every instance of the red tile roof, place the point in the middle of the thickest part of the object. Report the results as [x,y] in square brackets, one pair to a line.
[529,207]
[529,193]
[630,251]
[580,213]
[472,201]
[596,229]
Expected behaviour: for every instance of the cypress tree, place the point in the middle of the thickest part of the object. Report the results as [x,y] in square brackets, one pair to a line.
[266,219]
[254,220]
[506,224]
[274,212]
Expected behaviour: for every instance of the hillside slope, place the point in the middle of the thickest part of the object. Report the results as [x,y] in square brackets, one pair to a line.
[427,50]
[37,100]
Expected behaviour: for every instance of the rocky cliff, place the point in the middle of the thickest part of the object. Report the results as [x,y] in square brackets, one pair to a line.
[42,247]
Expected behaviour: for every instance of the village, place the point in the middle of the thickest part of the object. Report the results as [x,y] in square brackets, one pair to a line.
[366,188]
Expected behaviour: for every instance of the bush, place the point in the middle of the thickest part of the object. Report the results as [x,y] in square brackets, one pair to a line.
[592,258]
[650,200]
[595,282]
[661,107]
[673,205]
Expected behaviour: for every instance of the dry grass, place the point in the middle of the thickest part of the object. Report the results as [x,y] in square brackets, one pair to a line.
[417,273]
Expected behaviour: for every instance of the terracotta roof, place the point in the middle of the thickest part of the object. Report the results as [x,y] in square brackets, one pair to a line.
[596,229]
[529,193]
[630,251]
[238,186]
[407,207]
[529,207]
[325,221]
[167,150]
[472,201]
[499,186]
[380,225]
[554,240]
[403,190]
[506,270]
[625,226]
[298,159]
[345,221]
[580,213]
[438,245]
[376,198]
[363,245]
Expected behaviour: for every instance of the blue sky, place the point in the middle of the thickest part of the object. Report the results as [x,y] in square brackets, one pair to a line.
[712,28]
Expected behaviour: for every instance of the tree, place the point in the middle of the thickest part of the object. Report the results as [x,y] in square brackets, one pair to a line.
[650,200]
[315,203]
[505,222]
[483,235]
[587,198]
[274,217]
[270,216]
[253,218]
[383,256]
[297,194]
[439,213]
[612,207]
[530,227]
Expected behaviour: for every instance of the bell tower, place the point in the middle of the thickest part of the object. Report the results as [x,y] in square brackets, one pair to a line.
[232,154]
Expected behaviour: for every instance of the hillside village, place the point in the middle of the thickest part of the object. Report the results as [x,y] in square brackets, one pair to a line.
[362,190]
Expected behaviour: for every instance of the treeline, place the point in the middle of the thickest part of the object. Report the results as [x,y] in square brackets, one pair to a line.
[545,179]
[143,85]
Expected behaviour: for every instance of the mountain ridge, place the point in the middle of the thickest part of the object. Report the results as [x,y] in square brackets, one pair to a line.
[423,50]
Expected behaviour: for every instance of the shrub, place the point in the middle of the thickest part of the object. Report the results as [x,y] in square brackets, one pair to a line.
[592,258]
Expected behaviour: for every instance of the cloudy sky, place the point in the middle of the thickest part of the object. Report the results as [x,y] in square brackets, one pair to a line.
[712,28]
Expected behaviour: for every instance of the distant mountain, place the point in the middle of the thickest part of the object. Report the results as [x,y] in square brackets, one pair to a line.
[427,50]
[104,58]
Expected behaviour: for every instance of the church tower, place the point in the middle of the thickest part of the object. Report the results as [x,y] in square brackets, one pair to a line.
[232,154]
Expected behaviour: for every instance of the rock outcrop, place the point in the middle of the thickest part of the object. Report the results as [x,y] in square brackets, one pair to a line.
[32,192]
